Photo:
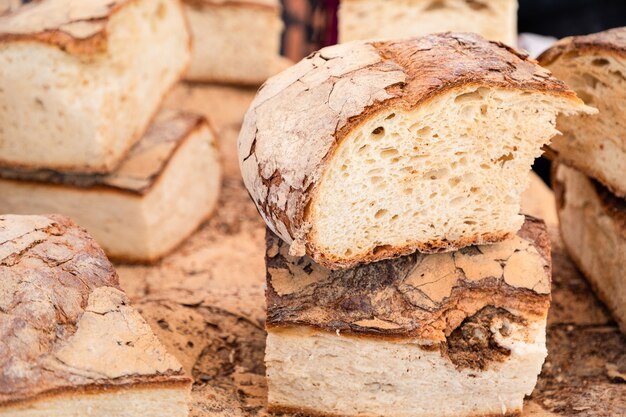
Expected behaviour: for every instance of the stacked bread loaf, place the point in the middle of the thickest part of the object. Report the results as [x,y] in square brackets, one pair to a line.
[387,19]
[360,155]
[234,41]
[589,178]
[71,344]
[80,84]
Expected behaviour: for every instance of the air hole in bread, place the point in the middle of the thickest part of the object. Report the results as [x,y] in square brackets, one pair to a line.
[600,62]
[380,213]
[435,5]
[381,248]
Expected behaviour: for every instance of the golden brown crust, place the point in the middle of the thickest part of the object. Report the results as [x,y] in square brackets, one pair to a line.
[60,293]
[612,41]
[300,116]
[142,167]
[77,27]
[418,296]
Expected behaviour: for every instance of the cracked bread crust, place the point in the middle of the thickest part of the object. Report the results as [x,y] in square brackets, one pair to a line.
[142,166]
[282,166]
[78,27]
[418,296]
[66,326]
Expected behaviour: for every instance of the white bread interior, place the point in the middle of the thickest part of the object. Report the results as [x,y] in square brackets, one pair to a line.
[595,144]
[130,226]
[352,376]
[157,401]
[448,171]
[388,19]
[234,43]
[595,237]
[85,110]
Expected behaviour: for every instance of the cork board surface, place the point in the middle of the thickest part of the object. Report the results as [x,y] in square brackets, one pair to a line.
[206,303]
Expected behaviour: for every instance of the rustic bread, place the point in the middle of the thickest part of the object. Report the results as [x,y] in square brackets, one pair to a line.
[391,19]
[80,80]
[595,67]
[166,186]
[593,228]
[468,328]
[365,151]
[70,343]
[234,41]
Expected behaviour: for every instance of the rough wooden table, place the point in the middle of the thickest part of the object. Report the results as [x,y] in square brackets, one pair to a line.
[206,300]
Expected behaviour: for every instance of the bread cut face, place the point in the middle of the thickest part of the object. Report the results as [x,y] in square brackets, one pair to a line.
[595,67]
[450,172]
[392,19]
[454,334]
[593,228]
[366,151]
[71,344]
[164,189]
[108,65]
[234,42]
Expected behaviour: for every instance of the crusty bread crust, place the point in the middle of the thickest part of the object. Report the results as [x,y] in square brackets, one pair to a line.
[417,296]
[60,285]
[610,41]
[78,27]
[141,169]
[282,168]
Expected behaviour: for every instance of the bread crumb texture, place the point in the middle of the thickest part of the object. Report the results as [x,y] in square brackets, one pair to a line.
[65,324]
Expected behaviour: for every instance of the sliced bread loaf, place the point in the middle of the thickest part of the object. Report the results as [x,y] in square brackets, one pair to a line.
[593,228]
[388,19]
[70,343]
[80,80]
[369,150]
[167,185]
[595,67]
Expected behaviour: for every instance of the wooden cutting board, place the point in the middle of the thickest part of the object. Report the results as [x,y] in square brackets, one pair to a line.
[206,300]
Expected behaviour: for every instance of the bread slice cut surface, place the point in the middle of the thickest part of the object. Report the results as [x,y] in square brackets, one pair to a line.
[370,150]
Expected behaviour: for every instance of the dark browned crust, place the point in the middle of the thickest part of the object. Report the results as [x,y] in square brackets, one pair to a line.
[100,182]
[157,382]
[93,44]
[612,41]
[433,65]
[339,300]
[302,411]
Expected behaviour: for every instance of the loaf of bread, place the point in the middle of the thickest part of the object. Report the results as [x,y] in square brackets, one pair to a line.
[166,186]
[70,343]
[593,228]
[80,80]
[391,19]
[454,334]
[595,67]
[369,150]
[234,41]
